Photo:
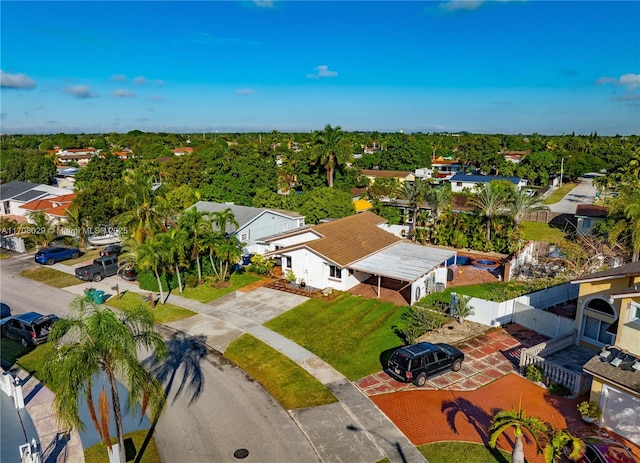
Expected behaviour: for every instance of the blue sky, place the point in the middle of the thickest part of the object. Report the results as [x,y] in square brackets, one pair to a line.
[549,67]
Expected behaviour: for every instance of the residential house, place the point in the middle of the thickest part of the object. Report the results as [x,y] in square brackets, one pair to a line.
[445,168]
[14,195]
[182,150]
[402,176]
[587,216]
[608,321]
[80,156]
[255,223]
[343,253]
[53,207]
[515,156]
[460,182]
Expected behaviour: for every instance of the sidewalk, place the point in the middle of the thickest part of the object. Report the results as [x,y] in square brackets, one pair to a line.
[353,430]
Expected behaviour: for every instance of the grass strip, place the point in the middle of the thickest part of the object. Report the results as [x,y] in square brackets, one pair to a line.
[50,276]
[285,380]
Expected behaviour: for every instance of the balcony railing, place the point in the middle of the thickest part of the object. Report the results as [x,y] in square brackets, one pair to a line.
[535,355]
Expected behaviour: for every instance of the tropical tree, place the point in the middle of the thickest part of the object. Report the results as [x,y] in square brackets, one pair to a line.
[518,420]
[151,255]
[147,212]
[438,199]
[94,339]
[193,221]
[76,220]
[414,193]
[176,243]
[561,442]
[522,203]
[39,228]
[625,209]
[490,200]
[331,150]
[462,308]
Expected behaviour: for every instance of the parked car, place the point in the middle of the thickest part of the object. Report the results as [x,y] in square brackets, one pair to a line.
[604,450]
[5,310]
[128,273]
[99,269]
[53,254]
[111,250]
[415,363]
[30,328]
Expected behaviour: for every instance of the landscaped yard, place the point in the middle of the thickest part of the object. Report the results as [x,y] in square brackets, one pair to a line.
[98,453]
[350,333]
[162,313]
[50,276]
[456,452]
[208,291]
[287,382]
[560,193]
[541,231]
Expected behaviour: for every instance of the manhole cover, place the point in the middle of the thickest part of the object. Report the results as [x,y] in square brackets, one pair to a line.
[241,453]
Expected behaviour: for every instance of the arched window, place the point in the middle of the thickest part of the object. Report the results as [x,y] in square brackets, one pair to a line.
[597,330]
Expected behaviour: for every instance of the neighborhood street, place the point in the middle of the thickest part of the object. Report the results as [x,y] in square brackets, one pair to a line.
[583,193]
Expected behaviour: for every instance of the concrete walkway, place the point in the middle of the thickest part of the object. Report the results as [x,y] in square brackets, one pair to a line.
[354,429]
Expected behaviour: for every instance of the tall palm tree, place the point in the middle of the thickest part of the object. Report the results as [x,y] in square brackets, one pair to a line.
[39,228]
[562,442]
[151,255]
[228,252]
[176,243]
[331,150]
[438,199]
[518,420]
[414,193]
[147,212]
[77,221]
[223,220]
[626,208]
[522,203]
[491,202]
[94,338]
[193,221]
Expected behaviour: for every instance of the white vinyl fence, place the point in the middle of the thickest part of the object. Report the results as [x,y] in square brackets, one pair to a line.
[13,243]
[500,313]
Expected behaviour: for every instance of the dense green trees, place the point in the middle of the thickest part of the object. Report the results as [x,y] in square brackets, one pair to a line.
[331,150]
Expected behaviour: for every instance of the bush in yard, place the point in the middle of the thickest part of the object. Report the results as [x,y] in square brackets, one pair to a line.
[534,373]
[261,265]
[147,281]
[418,321]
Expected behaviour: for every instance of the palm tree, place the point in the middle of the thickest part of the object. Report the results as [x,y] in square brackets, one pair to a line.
[438,199]
[331,150]
[414,193]
[95,338]
[522,203]
[151,255]
[228,251]
[146,210]
[491,202]
[76,220]
[462,309]
[39,228]
[516,419]
[176,242]
[223,219]
[626,208]
[194,223]
[562,442]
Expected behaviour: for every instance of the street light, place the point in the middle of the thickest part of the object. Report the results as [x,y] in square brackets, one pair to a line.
[562,168]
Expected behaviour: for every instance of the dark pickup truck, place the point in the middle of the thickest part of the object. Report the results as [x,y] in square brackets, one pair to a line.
[100,268]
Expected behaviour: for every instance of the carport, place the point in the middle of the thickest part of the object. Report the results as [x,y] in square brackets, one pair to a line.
[406,262]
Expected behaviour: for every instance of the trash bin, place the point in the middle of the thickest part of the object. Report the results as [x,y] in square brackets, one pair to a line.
[88,294]
[98,296]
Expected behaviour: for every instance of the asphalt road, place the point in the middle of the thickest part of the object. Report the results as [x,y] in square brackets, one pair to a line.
[583,193]
[213,408]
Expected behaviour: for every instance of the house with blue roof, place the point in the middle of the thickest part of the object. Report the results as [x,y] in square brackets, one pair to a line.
[471,182]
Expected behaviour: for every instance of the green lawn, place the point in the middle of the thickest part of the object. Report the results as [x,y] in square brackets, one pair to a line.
[11,351]
[350,332]
[50,276]
[559,193]
[541,231]
[162,313]
[98,453]
[208,291]
[286,381]
[467,452]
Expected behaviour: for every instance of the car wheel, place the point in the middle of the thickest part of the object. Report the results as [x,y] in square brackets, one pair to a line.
[420,380]
[24,342]
[97,277]
[75,255]
[456,365]
[51,261]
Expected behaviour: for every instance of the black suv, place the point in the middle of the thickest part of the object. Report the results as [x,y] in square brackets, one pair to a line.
[111,250]
[416,362]
[30,328]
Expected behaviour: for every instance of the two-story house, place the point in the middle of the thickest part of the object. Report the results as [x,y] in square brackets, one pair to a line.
[608,320]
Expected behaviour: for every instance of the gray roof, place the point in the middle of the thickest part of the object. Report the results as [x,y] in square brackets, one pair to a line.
[30,195]
[243,214]
[622,374]
[15,188]
[628,270]
[403,261]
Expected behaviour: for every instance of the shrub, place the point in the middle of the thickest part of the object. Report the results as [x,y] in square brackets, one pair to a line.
[560,389]
[534,373]
[290,276]
[261,265]
[418,321]
[589,409]
[147,281]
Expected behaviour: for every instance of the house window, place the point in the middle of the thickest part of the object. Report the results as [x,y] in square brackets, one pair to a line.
[335,272]
[286,260]
[244,237]
[300,223]
[596,330]
[634,312]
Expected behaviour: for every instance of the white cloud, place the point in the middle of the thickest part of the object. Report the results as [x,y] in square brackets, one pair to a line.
[122,93]
[81,91]
[245,91]
[322,72]
[263,3]
[629,81]
[140,80]
[119,78]
[16,81]
[156,98]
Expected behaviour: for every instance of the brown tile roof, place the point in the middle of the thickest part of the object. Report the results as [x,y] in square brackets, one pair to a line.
[628,270]
[623,374]
[590,210]
[52,206]
[386,173]
[351,238]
